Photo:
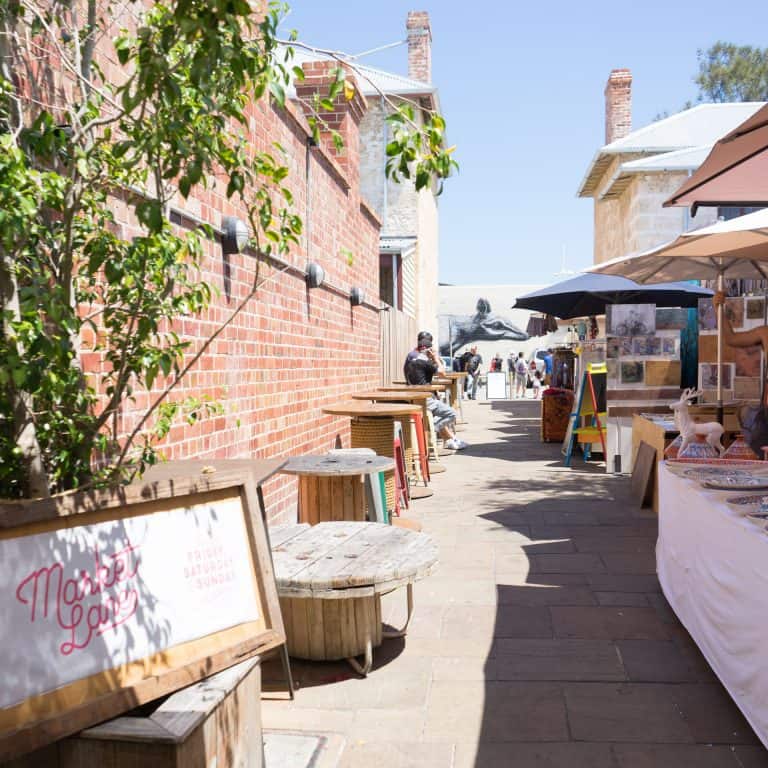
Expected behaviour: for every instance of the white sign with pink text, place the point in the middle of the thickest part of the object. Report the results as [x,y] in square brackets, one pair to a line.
[78,601]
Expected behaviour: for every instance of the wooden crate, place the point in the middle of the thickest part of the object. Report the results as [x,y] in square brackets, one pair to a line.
[555,413]
[214,722]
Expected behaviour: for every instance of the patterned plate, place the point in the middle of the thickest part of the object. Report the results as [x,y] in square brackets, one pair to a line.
[748,483]
[705,473]
[758,518]
[746,501]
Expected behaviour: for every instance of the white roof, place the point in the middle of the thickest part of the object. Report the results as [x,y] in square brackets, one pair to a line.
[699,126]
[702,124]
[370,80]
[679,160]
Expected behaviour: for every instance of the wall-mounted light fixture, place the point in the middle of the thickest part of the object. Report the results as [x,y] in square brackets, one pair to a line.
[356,296]
[315,275]
[234,236]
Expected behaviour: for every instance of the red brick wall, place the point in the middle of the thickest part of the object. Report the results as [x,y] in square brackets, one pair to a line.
[292,350]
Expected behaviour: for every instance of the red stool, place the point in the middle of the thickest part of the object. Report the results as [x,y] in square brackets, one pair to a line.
[401,481]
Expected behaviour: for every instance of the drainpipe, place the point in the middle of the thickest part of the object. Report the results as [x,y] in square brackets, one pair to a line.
[385,136]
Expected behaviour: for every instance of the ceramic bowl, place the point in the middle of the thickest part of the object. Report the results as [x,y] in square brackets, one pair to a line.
[698,450]
[739,449]
[671,451]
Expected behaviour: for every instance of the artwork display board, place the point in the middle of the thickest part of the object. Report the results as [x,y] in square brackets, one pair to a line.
[744,370]
[630,319]
[111,599]
[645,360]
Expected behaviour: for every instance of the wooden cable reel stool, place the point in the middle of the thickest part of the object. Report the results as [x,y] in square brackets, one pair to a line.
[413,434]
[332,487]
[373,427]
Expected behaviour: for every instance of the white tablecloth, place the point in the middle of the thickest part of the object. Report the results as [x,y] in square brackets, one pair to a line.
[713,568]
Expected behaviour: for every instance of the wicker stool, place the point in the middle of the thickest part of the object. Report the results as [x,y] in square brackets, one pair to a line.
[377,434]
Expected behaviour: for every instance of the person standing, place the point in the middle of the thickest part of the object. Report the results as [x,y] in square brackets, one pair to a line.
[464,367]
[474,368]
[548,364]
[521,375]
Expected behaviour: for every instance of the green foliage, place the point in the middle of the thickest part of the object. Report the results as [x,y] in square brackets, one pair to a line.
[729,72]
[75,281]
[421,154]
[196,66]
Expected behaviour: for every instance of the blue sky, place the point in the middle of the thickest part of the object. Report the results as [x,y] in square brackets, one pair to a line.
[521,87]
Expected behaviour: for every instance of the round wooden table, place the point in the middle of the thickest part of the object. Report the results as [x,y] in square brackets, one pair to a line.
[373,426]
[436,388]
[331,487]
[330,578]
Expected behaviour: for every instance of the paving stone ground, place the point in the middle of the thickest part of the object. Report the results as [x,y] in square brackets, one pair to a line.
[542,641]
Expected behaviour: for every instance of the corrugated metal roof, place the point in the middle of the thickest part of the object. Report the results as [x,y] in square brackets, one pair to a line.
[701,125]
[370,80]
[681,160]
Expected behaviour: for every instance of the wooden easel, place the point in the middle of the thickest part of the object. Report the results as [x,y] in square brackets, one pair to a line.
[583,408]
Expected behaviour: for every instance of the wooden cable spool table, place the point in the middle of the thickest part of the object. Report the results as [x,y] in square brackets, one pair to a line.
[457,380]
[373,426]
[435,388]
[411,440]
[331,487]
[330,578]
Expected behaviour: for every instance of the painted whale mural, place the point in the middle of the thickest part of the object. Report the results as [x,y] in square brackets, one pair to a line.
[457,331]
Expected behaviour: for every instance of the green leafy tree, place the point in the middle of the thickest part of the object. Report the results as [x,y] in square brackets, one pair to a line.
[729,72]
[73,140]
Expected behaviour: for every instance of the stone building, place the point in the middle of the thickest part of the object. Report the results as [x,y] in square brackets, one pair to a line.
[409,219]
[635,171]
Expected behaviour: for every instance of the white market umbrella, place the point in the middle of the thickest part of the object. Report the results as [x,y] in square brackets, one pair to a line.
[735,249]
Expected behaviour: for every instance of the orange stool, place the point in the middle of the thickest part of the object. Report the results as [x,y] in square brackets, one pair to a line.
[421,447]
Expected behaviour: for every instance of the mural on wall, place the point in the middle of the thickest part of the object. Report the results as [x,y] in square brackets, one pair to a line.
[457,331]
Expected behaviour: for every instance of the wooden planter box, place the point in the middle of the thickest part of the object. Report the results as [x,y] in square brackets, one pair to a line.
[216,722]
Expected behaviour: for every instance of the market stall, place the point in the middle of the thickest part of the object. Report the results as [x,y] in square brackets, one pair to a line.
[711,565]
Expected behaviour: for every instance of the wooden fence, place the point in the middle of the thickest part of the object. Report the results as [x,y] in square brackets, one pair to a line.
[398,338]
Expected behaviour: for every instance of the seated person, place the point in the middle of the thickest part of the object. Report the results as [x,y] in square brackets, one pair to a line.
[421,365]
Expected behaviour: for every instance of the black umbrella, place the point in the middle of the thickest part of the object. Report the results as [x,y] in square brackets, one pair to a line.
[590,293]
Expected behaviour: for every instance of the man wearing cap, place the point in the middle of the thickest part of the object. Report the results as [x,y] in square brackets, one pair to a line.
[421,365]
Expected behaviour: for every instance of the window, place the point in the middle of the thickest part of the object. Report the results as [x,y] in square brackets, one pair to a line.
[391,279]
[728,212]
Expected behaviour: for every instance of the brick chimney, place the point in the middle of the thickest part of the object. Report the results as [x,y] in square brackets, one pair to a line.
[618,105]
[419,46]
[345,117]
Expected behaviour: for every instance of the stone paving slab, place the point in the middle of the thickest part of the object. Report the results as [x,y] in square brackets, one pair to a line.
[542,640]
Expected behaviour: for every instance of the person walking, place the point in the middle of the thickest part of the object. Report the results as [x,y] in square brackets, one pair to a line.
[521,375]
[536,381]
